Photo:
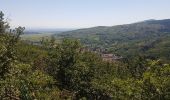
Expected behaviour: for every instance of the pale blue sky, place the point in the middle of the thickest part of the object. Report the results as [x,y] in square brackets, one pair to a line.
[82,13]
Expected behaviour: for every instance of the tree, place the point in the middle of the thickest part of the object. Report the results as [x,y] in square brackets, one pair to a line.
[19,80]
[3,24]
[75,70]
[156,81]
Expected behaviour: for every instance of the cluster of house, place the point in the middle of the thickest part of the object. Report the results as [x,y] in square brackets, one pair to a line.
[109,57]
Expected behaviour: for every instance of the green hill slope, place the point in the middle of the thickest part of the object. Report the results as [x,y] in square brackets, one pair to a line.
[151,37]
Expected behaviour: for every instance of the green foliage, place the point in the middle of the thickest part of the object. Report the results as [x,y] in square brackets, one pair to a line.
[18,80]
[64,71]
[153,85]
[22,82]
[157,79]
[75,69]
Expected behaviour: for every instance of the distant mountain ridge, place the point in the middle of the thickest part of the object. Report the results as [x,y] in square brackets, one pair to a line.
[144,29]
[160,25]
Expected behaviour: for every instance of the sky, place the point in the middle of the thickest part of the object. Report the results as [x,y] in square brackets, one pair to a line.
[82,13]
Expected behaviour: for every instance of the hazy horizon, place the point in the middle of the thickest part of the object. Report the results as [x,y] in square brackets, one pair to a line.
[75,14]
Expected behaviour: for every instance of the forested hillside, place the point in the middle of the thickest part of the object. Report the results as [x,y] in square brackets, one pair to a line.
[150,37]
[62,71]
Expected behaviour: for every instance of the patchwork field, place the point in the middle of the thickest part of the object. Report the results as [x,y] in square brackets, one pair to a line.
[36,37]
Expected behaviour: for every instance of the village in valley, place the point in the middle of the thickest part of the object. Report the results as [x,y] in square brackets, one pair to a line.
[106,56]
